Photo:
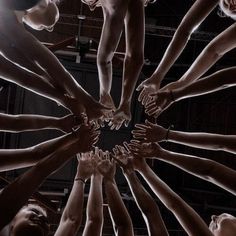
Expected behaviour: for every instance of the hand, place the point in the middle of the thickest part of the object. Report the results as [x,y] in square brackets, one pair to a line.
[67,123]
[86,165]
[107,167]
[107,101]
[88,136]
[123,157]
[120,116]
[127,160]
[145,150]
[149,132]
[147,87]
[160,102]
[96,110]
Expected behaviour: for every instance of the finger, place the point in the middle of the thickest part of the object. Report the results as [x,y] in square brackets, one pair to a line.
[139,87]
[117,160]
[151,104]
[152,111]
[145,99]
[115,151]
[126,145]
[141,95]
[149,123]
[119,125]
[143,136]
[127,123]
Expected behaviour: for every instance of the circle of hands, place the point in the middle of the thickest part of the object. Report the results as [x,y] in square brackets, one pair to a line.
[129,156]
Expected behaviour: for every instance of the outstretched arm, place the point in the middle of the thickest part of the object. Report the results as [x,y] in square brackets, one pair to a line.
[73,212]
[217,81]
[187,217]
[94,221]
[122,225]
[17,123]
[20,158]
[213,52]
[206,169]
[150,132]
[26,184]
[143,199]
[196,14]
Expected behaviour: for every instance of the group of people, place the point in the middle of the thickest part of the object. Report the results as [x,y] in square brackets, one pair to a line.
[28,63]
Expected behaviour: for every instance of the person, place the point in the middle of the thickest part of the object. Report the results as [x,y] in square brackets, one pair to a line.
[31,219]
[22,122]
[29,181]
[94,219]
[119,13]
[30,64]
[72,215]
[217,81]
[150,132]
[122,225]
[219,46]
[143,199]
[191,222]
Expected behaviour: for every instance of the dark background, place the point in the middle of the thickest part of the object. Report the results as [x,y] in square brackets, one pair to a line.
[210,113]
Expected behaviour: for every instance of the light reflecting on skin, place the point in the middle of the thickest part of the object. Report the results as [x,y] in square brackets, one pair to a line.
[229,8]
[43,16]
[30,220]
[223,225]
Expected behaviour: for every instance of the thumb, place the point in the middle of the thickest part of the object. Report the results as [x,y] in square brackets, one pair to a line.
[140,87]
[147,122]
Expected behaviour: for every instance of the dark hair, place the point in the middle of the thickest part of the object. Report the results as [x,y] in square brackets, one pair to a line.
[21,5]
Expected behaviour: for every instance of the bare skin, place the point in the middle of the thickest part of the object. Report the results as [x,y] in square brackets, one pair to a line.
[119,13]
[196,14]
[73,212]
[219,80]
[143,199]
[30,54]
[150,132]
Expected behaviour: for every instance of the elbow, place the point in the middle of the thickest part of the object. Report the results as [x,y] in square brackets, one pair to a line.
[104,60]
[73,221]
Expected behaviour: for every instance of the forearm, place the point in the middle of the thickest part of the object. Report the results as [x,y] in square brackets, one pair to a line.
[194,17]
[212,53]
[147,206]
[27,183]
[16,123]
[186,216]
[117,209]
[205,169]
[94,221]
[217,142]
[220,80]
[132,69]
[73,212]
[21,158]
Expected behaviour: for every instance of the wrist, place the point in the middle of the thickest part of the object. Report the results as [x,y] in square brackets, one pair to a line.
[80,180]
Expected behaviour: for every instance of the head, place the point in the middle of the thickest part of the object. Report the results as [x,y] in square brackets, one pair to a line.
[30,220]
[42,16]
[223,225]
[228,7]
